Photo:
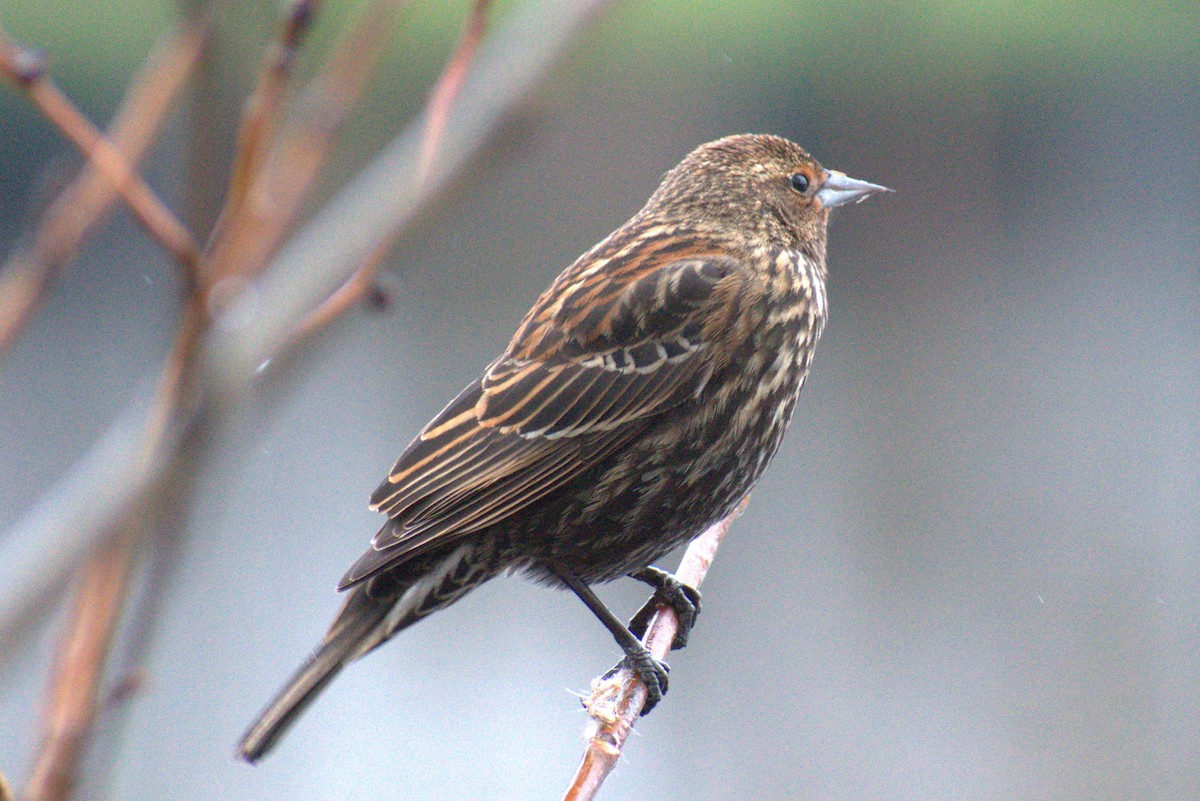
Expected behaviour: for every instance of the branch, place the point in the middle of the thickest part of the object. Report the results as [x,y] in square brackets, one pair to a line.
[437,112]
[384,198]
[96,494]
[441,100]
[30,272]
[616,702]
[91,497]
[70,714]
[27,69]
[262,110]
[74,688]
[276,192]
[260,119]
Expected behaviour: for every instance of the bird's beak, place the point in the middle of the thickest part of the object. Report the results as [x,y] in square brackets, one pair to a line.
[840,189]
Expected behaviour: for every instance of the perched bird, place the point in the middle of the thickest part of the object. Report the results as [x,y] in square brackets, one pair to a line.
[640,399]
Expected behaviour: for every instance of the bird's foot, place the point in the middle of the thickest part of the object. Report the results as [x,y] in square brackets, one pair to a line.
[668,590]
[653,673]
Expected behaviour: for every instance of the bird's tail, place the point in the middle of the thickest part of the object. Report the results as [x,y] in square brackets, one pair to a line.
[375,610]
[360,617]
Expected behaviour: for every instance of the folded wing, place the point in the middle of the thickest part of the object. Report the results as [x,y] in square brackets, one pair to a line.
[616,354]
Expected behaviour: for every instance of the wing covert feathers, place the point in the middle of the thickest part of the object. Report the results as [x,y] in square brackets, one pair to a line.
[622,352]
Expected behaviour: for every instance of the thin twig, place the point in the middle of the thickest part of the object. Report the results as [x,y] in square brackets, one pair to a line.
[31,271]
[343,298]
[263,109]
[616,702]
[260,119]
[383,199]
[276,191]
[73,700]
[437,113]
[74,688]
[28,70]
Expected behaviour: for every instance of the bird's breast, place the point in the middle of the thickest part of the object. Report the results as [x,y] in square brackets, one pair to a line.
[767,378]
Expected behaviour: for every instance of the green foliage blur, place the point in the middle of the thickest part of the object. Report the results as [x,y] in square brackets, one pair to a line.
[863,52]
[94,42]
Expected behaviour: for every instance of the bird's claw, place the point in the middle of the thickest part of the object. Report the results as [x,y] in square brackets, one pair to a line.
[683,598]
[653,673]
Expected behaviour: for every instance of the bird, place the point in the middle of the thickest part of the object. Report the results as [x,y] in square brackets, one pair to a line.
[640,399]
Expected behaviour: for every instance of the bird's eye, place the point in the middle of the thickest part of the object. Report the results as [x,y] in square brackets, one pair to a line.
[800,182]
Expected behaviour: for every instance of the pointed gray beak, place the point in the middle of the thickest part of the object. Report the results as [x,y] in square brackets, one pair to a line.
[840,189]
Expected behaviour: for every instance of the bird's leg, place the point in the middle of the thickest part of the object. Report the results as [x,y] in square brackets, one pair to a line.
[652,672]
[672,592]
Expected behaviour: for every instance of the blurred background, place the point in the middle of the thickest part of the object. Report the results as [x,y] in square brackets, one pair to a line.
[972,571]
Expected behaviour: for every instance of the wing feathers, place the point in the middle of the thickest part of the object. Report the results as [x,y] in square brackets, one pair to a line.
[636,347]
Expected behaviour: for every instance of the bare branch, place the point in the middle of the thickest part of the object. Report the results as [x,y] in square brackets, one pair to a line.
[28,71]
[69,220]
[384,198]
[616,702]
[262,110]
[260,119]
[97,493]
[343,298]
[49,541]
[74,690]
[285,180]
[437,112]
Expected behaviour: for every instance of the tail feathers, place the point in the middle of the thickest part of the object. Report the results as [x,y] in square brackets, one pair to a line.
[375,610]
[356,626]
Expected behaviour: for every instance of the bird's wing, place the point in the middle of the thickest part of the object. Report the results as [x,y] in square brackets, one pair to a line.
[614,352]
[556,403]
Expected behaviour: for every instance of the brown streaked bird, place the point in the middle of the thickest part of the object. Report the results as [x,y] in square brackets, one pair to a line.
[640,399]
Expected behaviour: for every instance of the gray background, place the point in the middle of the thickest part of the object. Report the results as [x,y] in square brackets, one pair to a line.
[971,572]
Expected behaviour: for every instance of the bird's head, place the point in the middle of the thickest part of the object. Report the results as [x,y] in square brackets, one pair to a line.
[761,186]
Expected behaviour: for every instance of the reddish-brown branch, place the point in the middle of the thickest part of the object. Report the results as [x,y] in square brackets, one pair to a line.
[615,703]
[274,192]
[347,295]
[437,113]
[74,214]
[67,722]
[260,118]
[264,106]
[28,71]
[79,667]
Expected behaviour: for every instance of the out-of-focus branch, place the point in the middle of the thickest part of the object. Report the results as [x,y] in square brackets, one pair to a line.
[384,198]
[69,716]
[616,702]
[74,690]
[97,493]
[337,304]
[277,190]
[437,112]
[28,70]
[260,119]
[92,496]
[28,273]
[262,111]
